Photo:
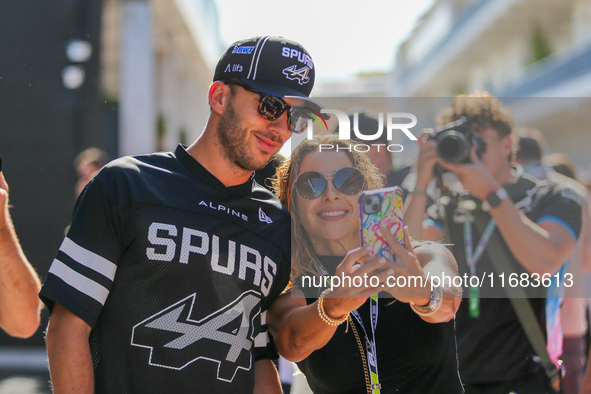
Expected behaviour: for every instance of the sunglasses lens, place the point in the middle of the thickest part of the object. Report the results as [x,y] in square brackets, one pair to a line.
[310,185]
[348,180]
[271,107]
[298,120]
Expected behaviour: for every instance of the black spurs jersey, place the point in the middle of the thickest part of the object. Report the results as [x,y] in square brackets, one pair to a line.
[174,272]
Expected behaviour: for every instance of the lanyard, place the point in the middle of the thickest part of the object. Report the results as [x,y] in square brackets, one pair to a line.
[370,343]
[472,259]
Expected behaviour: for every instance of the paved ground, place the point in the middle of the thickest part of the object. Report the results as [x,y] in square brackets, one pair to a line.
[14,382]
[23,371]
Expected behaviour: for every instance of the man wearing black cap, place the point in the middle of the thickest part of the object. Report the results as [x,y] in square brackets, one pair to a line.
[172,259]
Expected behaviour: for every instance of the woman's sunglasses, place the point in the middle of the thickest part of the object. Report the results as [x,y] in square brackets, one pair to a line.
[311,184]
[272,107]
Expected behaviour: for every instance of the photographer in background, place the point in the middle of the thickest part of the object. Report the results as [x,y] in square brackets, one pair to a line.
[19,283]
[498,211]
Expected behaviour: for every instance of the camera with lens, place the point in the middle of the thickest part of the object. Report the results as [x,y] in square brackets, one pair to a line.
[455,141]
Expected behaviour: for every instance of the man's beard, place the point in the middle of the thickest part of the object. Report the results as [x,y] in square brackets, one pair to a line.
[234,138]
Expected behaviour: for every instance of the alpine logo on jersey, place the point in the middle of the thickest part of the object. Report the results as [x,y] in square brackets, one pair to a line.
[263,217]
[224,337]
[297,74]
[220,207]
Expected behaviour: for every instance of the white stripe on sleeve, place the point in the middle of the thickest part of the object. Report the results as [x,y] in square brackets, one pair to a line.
[261,339]
[89,259]
[79,282]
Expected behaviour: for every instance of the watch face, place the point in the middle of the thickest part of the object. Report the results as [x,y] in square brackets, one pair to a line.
[493,199]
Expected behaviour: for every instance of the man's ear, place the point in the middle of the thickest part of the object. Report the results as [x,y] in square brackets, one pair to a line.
[219,96]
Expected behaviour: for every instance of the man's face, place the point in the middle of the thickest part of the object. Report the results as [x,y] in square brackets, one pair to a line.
[496,156]
[247,139]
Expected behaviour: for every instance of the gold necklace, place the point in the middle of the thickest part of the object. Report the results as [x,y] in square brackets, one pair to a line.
[362,352]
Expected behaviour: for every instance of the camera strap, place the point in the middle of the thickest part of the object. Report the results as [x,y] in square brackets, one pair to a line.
[523,309]
[500,260]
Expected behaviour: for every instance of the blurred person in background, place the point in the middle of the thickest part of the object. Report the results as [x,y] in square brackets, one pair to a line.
[574,309]
[535,227]
[87,164]
[19,284]
[405,345]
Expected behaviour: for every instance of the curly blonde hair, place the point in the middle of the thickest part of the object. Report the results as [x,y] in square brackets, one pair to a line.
[303,257]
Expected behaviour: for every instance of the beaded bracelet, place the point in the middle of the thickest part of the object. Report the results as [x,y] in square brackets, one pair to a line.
[325,318]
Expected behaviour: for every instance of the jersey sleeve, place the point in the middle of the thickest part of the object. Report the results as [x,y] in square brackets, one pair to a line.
[82,273]
[562,205]
[264,345]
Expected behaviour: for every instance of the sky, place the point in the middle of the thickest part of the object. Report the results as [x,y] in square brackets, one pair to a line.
[344,37]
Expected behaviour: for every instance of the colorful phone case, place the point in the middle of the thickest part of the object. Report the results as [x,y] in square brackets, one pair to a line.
[381,205]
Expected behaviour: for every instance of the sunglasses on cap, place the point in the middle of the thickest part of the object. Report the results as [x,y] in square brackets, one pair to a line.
[311,184]
[272,107]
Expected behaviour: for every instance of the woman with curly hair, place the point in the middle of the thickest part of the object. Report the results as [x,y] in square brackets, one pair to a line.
[405,345]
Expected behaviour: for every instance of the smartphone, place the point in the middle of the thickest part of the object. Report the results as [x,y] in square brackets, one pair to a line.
[381,205]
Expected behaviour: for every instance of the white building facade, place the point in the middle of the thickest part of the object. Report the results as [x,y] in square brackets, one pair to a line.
[534,54]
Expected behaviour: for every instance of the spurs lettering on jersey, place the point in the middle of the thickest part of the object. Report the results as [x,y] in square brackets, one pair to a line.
[240,258]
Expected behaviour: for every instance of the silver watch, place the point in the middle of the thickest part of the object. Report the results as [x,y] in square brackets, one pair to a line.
[434,302]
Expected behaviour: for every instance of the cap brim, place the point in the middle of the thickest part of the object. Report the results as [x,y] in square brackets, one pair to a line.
[308,103]
[273,89]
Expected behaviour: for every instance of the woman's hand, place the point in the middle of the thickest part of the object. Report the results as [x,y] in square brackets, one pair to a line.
[360,275]
[408,282]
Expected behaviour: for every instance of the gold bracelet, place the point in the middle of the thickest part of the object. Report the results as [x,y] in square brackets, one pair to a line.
[325,318]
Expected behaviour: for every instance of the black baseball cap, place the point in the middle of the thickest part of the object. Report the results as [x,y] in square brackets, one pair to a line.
[271,64]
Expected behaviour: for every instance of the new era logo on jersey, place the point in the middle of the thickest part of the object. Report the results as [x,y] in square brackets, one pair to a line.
[263,217]
[297,74]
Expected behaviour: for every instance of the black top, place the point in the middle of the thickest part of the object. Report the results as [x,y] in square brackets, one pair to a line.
[494,347]
[413,356]
[173,271]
